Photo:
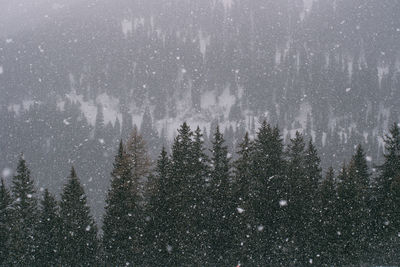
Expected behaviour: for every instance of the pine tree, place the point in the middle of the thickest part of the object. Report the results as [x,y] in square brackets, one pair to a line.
[159,230]
[269,198]
[359,174]
[328,228]
[5,222]
[79,232]
[185,192]
[385,209]
[49,232]
[139,160]
[140,164]
[119,237]
[312,179]
[299,208]
[242,196]
[201,188]
[23,234]
[353,216]
[99,127]
[182,198]
[221,206]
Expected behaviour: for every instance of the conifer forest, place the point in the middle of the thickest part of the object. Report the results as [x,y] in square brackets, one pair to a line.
[271,206]
[200,133]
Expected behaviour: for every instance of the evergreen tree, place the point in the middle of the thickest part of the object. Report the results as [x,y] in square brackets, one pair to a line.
[5,222]
[118,242]
[203,197]
[49,232]
[140,164]
[139,161]
[182,199]
[221,206]
[242,194]
[354,219]
[159,230]
[79,240]
[185,198]
[385,209]
[23,234]
[328,227]
[313,177]
[99,127]
[269,201]
[299,200]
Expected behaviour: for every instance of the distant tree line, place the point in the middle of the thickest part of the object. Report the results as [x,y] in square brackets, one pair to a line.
[270,206]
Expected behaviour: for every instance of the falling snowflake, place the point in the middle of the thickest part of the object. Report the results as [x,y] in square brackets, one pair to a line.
[283,203]
[6,172]
[240,210]
[169,248]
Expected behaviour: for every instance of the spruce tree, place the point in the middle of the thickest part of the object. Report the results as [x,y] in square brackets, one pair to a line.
[184,198]
[49,232]
[23,234]
[242,196]
[327,239]
[299,208]
[359,174]
[201,187]
[270,197]
[159,230]
[353,213]
[120,239]
[221,206]
[313,177]
[140,163]
[79,232]
[5,222]
[385,209]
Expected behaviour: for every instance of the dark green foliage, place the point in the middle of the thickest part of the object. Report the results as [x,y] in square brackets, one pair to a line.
[186,183]
[79,232]
[5,222]
[386,208]
[158,232]
[328,228]
[299,200]
[221,205]
[269,189]
[352,206]
[241,197]
[23,234]
[49,232]
[120,238]
[274,209]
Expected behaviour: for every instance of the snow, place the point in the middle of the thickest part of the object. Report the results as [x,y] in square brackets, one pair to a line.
[1,69]
[260,228]
[240,210]
[169,248]
[227,3]
[6,172]
[127,26]
[283,203]
[89,108]
[204,42]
